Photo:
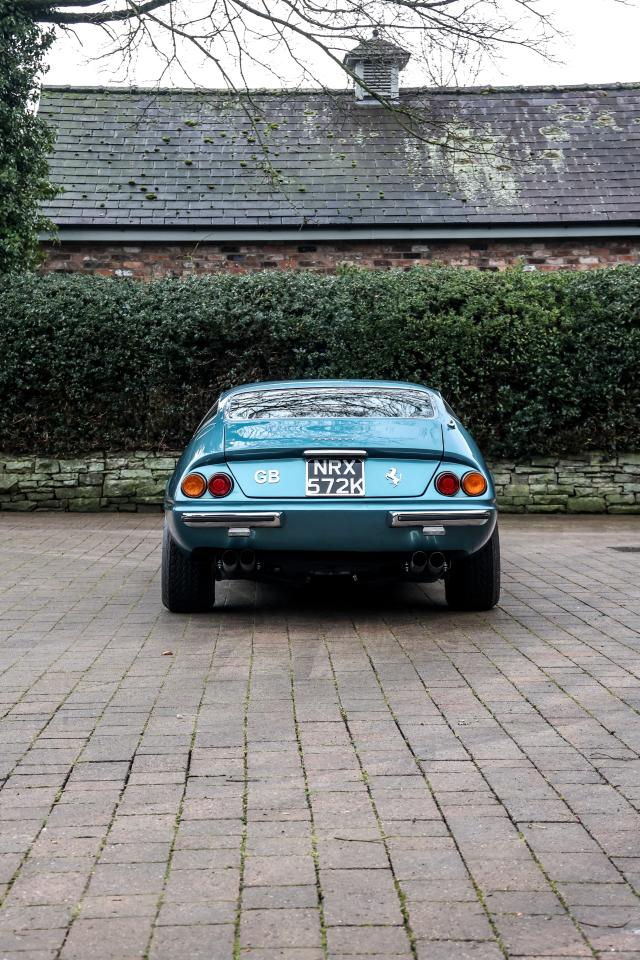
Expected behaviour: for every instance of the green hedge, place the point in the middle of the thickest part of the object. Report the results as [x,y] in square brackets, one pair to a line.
[533,363]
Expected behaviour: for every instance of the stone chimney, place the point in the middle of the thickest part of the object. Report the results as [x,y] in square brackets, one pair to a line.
[378,62]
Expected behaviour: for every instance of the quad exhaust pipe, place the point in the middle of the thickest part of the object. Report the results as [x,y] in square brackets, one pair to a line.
[434,563]
[229,562]
[419,561]
[247,561]
[233,564]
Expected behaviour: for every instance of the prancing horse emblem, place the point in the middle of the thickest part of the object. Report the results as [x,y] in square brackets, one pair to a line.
[394,476]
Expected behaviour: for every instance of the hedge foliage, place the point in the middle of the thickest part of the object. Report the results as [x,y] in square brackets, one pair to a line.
[533,363]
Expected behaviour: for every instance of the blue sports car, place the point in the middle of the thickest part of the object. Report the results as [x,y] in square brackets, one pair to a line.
[330,478]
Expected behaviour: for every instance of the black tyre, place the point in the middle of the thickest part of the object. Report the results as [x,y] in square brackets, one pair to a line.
[188,585]
[473,583]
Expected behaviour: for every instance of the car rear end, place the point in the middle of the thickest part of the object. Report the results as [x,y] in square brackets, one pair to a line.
[319,480]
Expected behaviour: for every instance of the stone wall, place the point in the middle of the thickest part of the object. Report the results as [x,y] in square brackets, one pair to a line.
[589,484]
[98,481]
[135,481]
[150,260]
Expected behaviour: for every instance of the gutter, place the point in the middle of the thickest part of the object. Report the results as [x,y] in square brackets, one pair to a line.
[72,234]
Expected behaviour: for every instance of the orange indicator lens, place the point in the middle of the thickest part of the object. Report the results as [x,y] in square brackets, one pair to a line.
[193,485]
[474,484]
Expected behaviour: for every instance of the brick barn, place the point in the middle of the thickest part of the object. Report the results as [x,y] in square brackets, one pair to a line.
[170,182]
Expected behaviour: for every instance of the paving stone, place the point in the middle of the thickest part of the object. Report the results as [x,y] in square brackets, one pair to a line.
[460,949]
[540,935]
[46,889]
[439,891]
[35,918]
[528,903]
[362,908]
[278,870]
[420,738]
[135,852]
[507,875]
[459,921]
[352,854]
[368,941]
[580,867]
[197,942]
[189,885]
[107,939]
[284,928]
[286,953]
[126,878]
[196,912]
[127,905]
[597,894]
[12,941]
[207,859]
[279,897]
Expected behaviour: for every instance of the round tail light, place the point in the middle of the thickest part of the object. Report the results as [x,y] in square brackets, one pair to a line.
[474,484]
[447,484]
[193,485]
[220,485]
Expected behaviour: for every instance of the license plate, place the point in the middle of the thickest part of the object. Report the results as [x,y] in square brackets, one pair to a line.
[335,477]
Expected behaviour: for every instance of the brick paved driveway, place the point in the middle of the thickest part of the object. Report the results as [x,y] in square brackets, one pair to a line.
[302,776]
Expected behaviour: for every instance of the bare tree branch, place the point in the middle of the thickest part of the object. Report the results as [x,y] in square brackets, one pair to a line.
[447,39]
[54,14]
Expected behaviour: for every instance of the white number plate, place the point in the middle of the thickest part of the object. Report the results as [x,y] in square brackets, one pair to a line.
[335,477]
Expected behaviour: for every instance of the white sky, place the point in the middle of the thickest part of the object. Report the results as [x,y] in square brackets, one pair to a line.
[601,46]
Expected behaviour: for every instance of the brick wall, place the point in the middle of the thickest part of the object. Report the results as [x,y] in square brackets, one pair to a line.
[134,481]
[151,260]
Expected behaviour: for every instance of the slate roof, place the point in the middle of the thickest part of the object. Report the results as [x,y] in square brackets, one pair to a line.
[198,158]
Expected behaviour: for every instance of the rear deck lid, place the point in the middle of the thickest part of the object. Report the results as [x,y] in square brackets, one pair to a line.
[268,458]
[292,436]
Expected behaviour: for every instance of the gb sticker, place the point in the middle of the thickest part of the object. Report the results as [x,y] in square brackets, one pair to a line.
[267,476]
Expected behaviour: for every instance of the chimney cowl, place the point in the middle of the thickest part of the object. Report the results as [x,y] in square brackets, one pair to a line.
[378,62]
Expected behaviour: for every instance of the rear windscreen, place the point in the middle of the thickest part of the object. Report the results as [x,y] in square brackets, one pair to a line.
[329,402]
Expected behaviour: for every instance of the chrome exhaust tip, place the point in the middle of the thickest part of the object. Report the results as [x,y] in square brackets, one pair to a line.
[437,563]
[247,561]
[229,562]
[418,562]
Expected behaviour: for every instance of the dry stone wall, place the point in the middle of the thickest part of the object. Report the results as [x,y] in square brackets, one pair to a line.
[112,481]
[593,483]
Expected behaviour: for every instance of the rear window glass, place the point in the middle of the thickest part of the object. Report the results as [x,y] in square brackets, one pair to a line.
[329,402]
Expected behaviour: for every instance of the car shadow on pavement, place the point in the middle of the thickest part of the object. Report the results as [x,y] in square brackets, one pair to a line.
[330,595]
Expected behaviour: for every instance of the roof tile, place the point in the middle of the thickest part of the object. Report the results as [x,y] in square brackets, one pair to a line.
[521,155]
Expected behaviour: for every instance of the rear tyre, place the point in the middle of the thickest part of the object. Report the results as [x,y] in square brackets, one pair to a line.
[188,585]
[473,583]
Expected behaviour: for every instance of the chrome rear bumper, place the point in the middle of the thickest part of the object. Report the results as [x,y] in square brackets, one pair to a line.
[435,522]
[244,520]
